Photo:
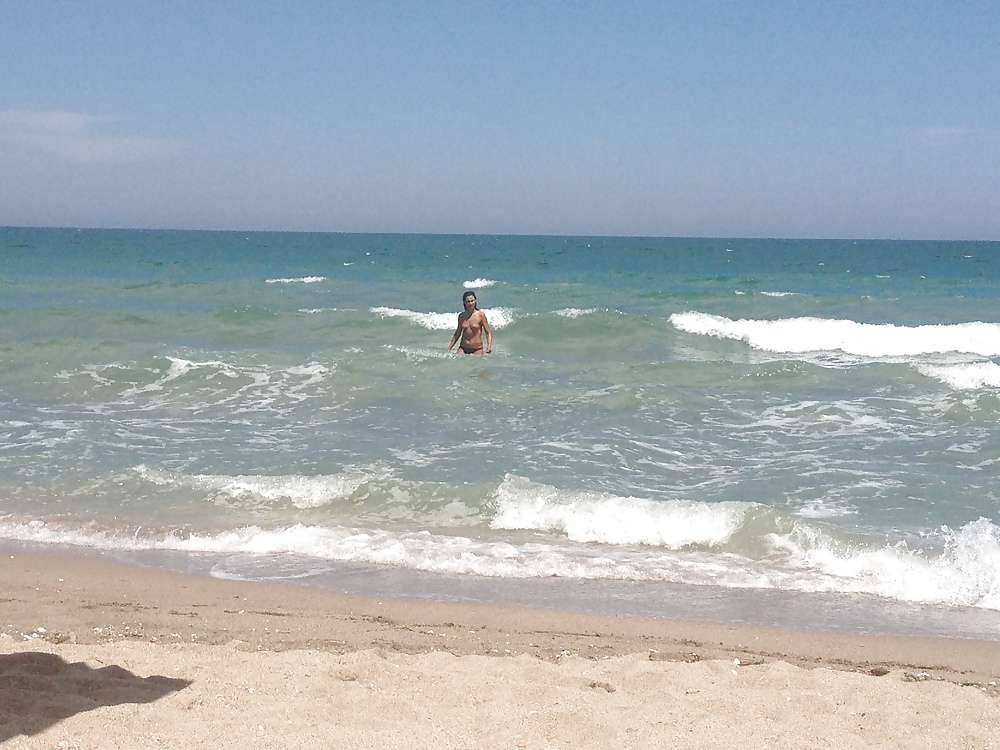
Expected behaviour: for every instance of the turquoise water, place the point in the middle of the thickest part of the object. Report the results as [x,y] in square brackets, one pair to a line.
[744,415]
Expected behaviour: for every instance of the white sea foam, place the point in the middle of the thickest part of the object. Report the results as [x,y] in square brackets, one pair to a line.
[302,280]
[497,316]
[221,382]
[597,536]
[416,550]
[500,316]
[963,377]
[842,417]
[479,283]
[967,573]
[434,321]
[595,517]
[180,367]
[300,491]
[574,312]
[312,373]
[800,335]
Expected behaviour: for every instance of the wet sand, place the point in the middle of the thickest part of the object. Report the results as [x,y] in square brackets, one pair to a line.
[98,654]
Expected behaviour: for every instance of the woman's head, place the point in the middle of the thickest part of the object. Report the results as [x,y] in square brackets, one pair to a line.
[467,297]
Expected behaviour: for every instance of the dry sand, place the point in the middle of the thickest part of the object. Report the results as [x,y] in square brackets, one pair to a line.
[95,654]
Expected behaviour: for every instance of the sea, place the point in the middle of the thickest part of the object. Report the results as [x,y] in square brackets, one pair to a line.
[781,432]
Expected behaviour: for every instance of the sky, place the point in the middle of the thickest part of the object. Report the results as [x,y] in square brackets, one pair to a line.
[777,118]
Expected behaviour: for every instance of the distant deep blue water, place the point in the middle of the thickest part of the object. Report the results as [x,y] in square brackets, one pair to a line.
[752,415]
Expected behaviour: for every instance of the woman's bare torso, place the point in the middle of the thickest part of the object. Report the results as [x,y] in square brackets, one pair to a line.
[471,325]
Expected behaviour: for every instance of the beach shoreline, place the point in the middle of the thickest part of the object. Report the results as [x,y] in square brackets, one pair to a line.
[83,609]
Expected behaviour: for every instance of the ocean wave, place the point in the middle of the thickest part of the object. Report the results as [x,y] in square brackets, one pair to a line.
[965,573]
[479,283]
[416,550]
[801,335]
[574,312]
[190,384]
[180,367]
[255,490]
[497,316]
[371,494]
[963,377]
[595,517]
[302,280]
[288,383]
[433,321]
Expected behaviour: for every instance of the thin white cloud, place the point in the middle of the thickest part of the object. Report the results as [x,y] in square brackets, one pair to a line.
[71,135]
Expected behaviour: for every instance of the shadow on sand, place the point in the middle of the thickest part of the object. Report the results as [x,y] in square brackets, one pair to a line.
[38,690]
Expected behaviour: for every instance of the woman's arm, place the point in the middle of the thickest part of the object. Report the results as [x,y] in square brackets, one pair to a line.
[489,334]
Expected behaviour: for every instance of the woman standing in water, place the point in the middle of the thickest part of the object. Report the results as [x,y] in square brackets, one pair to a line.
[471,325]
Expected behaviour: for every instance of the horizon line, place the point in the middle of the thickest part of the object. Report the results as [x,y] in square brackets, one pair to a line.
[489,234]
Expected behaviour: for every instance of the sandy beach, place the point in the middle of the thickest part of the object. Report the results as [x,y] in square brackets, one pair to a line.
[97,654]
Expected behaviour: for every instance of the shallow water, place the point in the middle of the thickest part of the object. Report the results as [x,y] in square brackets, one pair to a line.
[744,417]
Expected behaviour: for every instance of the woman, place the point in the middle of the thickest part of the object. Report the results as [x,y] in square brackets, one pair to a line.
[471,325]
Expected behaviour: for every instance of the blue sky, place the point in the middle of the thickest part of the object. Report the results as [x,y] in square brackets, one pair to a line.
[733,119]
